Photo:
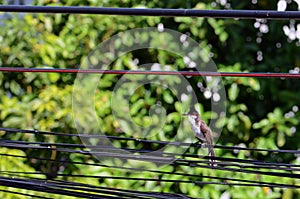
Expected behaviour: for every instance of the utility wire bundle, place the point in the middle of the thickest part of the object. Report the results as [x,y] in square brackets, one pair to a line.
[39,183]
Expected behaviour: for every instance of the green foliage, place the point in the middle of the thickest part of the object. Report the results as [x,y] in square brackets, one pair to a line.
[261,112]
[19,166]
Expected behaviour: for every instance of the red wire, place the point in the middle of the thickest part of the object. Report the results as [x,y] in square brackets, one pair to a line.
[148,72]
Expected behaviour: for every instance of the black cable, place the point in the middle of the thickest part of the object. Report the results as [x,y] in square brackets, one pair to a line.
[223,179]
[37,132]
[191,163]
[148,151]
[255,149]
[44,187]
[114,152]
[196,182]
[256,164]
[4,142]
[108,152]
[148,170]
[9,130]
[248,14]
[150,72]
[81,190]
[171,173]
[135,193]
[103,153]
[185,162]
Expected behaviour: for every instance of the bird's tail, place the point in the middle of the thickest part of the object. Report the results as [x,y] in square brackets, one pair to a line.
[211,154]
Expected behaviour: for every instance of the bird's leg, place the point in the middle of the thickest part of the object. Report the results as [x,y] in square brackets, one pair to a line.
[197,142]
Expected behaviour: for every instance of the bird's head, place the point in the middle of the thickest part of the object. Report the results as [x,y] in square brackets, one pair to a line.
[193,115]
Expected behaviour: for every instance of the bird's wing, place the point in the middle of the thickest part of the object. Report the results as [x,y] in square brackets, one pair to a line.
[208,136]
[207,132]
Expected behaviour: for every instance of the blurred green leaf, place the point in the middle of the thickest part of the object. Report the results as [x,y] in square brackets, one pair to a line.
[233,92]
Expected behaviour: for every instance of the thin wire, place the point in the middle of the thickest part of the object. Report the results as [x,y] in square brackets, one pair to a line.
[248,14]
[146,170]
[139,193]
[172,159]
[37,132]
[159,159]
[63,185]
[10,143]
[81,190]
[225,182]
[150,72]
[223,179]
[45,145]
[176,161]
[44,186]
[192,163]
[136,193]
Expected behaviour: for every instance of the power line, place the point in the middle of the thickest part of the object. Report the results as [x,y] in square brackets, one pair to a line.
[251,167]
[80,190]
[158,158]
[163,143]
[149,72]
[223,179]
[222,161]
[247,14]
[47,146]
[48,187]
[225,182]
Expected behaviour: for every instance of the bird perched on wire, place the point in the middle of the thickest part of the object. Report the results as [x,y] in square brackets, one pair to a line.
[202,132]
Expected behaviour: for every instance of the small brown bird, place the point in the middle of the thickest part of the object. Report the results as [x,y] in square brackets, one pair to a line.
[202,132]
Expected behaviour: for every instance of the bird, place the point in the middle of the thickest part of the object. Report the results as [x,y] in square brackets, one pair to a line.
[202,132]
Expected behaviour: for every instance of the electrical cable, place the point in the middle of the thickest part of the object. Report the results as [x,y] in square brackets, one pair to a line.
[247,14]
[148,170]
[46,145]
[9,143]
[165,160]
[151,72]
[37,132]
[223,182]
[81,190]
[233,162]
[46,187]
[222,165]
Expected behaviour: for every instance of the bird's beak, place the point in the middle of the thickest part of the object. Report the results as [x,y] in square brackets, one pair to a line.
[185,114]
